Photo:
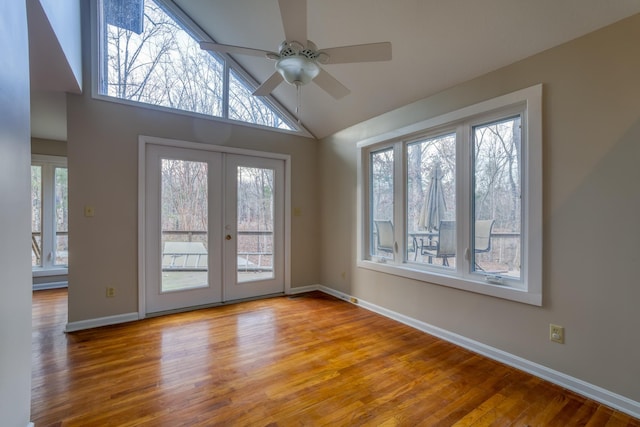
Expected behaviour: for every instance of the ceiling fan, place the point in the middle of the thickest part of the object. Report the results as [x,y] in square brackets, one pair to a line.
[298,60]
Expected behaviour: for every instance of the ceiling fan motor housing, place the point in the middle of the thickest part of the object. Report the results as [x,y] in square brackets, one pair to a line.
[293,48]
[298,64]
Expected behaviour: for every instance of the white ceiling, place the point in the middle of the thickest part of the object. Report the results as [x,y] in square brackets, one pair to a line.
[436,44]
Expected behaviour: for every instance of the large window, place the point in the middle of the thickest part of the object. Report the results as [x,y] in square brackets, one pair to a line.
[49,215]
[149,53]
[457,200]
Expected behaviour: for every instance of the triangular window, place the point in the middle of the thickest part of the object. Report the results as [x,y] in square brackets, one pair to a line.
[148,55]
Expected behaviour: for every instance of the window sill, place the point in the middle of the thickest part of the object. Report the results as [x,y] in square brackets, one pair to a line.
[498,291]
[100,97]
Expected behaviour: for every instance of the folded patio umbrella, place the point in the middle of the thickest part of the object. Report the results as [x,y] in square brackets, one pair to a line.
[434,206]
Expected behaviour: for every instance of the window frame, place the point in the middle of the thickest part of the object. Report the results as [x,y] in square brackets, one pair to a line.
[528,104]
[48,166]
[228,63]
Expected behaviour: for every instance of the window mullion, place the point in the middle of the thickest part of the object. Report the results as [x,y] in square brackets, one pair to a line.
[463,198]
[399,192]
[48,220]
[225,90]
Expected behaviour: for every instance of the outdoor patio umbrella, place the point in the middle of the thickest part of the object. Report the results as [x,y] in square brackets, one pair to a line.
[434,206]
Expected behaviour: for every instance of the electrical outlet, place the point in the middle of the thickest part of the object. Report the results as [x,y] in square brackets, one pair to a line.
[111,292]
[556,333]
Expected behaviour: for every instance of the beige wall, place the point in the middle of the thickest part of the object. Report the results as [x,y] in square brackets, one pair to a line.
[15,214]
[102,153]
[48,147]
[591,211]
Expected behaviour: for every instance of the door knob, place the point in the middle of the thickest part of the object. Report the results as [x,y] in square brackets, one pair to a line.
[228,237]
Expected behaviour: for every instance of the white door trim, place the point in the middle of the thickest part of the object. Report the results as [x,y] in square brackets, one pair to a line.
[143,141]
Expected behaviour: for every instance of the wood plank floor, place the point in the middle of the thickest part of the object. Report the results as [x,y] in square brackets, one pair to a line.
[306,360]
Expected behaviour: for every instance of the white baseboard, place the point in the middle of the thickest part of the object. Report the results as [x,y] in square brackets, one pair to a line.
[30,425]
[49,285]
[579,386]
[303,289]
[101,321]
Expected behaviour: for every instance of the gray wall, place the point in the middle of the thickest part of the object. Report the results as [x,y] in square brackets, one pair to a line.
[102,151]
[591,147]
[15,215]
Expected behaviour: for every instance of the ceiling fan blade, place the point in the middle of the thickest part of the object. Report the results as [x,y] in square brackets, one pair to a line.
[294,20]
[269,85]
[370,52]
[226,48]
[330,85]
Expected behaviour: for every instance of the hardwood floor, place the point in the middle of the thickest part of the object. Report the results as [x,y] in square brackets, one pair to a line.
[305,360]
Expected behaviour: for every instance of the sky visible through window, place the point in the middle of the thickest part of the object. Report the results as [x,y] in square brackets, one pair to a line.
[157,62]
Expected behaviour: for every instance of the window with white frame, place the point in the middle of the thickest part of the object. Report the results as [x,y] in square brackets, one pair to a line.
[49,215]
[149,53]
[456,200]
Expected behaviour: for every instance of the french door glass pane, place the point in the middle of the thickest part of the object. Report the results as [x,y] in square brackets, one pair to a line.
[497,194]
[255,213]
[431,200]
[36,216]
[184,222]
[61,217]
[382,187]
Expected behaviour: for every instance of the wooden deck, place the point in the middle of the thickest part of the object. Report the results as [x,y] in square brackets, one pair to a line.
[176,280]
[288,361]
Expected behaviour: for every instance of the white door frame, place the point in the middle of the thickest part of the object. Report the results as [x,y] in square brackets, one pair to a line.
[232,287]
[143,141]
[209,292]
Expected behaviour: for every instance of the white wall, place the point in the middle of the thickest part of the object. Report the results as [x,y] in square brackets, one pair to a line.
[591,208]
[15,214]
[64,18]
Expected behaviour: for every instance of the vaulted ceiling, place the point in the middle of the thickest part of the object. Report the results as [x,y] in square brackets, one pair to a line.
[436,44]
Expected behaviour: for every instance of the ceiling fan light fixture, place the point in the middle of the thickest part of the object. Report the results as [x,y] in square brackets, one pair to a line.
[298,59]
[297,70]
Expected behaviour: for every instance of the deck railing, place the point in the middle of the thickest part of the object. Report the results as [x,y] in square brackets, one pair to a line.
[255,247]
[36,249]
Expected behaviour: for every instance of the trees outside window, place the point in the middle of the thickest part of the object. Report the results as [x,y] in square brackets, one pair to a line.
[49,214]
[381,195]
[464,197]
[497,178]
[156,59]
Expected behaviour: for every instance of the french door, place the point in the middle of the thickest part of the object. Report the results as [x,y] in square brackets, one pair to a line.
[214,227]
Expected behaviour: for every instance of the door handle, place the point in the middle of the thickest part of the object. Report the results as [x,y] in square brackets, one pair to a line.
[228,237]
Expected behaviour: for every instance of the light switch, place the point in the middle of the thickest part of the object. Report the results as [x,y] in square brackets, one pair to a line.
[89,211]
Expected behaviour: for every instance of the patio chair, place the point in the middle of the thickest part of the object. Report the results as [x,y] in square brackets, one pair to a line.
[483,235]
[384,235]
[446,245]
[482,238]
